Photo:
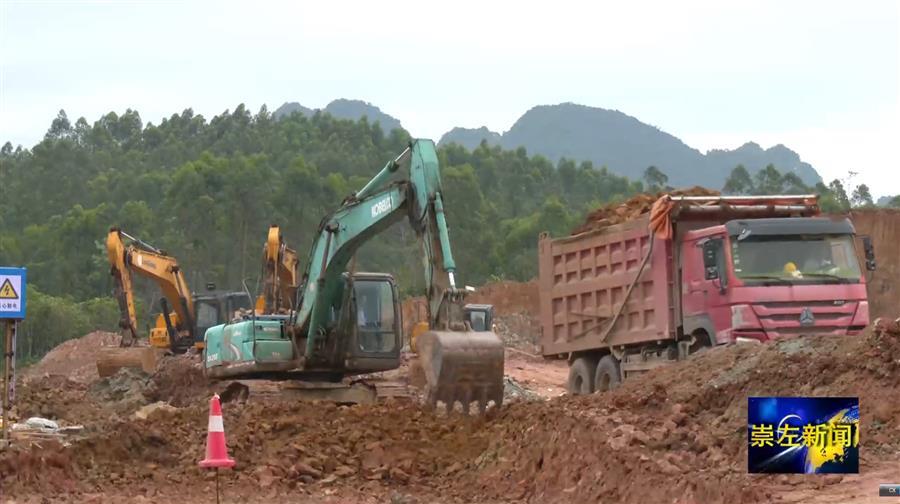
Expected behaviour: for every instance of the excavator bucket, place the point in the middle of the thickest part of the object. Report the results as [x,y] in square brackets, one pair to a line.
[462,367]
[111,359]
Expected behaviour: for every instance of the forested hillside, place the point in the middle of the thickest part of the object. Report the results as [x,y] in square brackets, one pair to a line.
[206,191]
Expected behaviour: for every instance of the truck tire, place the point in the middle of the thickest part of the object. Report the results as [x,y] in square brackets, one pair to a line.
[608,375]
[702,341]
[581,376]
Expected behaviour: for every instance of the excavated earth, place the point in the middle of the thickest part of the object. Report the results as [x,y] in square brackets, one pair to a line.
[676,435]
[617,213]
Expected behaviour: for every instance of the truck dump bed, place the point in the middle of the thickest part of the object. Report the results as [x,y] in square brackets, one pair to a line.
[586,279]
[615,285]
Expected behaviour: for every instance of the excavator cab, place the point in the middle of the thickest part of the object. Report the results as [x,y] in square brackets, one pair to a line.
[214,308]
[210,309]
[374,315]
[480,316]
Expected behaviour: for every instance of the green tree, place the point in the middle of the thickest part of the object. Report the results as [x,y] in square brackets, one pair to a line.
[836,187]
[793,184]
[60,127]
[862,197]
[768,181]
[655,179]
[739,181]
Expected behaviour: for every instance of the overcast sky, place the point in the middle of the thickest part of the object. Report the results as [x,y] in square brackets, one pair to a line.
[818,76]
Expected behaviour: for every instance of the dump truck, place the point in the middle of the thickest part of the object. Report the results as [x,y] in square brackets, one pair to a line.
[695,272]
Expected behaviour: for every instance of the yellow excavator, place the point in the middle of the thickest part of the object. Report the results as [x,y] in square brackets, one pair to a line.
[280,276]
[176,331]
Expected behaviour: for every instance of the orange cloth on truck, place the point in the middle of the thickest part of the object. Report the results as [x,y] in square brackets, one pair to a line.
[661,217]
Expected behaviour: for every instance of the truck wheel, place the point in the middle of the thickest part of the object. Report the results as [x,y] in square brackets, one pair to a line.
[702,341]
[608,376]
[581,376]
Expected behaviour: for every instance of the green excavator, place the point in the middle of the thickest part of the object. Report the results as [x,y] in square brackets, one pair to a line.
[348,324]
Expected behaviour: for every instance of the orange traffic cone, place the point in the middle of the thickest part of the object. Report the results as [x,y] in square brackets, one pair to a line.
[216,450]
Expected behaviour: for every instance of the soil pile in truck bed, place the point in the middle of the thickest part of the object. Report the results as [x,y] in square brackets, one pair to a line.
[617,213]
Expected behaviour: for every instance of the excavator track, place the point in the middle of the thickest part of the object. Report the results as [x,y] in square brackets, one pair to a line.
[462,367]
[369,391]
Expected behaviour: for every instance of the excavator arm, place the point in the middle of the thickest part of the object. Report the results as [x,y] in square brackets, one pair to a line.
[408,186]
[280,275]
[147,261]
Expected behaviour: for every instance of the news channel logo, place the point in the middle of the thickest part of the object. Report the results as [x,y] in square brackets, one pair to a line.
[803,435]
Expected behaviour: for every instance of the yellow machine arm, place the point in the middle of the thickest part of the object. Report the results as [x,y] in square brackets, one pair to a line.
[163,269]
[281,274]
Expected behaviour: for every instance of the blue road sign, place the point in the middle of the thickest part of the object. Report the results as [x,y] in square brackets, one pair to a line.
[12,293]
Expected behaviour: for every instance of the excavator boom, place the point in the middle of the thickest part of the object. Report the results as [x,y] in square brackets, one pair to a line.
[152,263]
[281,266]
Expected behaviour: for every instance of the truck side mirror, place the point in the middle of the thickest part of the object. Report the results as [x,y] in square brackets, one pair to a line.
[710,259]
[870,253]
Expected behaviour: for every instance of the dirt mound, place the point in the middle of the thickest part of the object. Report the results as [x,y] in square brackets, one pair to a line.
[58,398]
[75,359]
[277,443]
[883,225]
[508,298]
[45,469]
[617,213]
[682,430]
[886,327]
[518,330]
[124,391]
[179,381]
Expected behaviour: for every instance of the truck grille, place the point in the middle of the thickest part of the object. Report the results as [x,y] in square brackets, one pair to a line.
[784,318]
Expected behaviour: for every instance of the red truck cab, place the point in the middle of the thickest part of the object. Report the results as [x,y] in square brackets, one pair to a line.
[762,279]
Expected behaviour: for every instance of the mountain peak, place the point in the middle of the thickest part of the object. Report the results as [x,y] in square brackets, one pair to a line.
[627,146]
[343,108]
[470,138]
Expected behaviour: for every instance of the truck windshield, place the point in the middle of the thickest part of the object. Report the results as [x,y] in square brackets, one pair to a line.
[795,259]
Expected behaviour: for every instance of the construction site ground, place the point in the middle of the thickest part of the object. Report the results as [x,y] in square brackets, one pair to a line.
[675,435]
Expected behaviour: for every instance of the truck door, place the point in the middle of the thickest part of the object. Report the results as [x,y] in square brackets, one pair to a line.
[705,282]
